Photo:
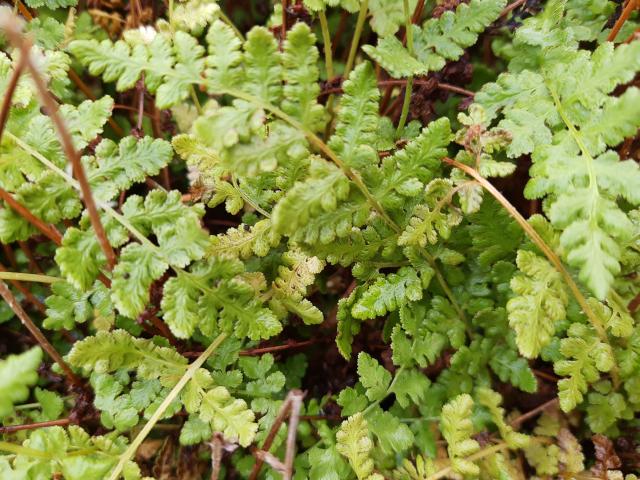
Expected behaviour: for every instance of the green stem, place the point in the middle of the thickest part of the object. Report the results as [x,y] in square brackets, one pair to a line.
[248,199]
[326,40]
[355,41]
[320,145]
[328,60]
[389,390]
[485,452]
[20,450]
[228,21]
[171,15]
[407,92]
[547,251]
[173,394]
[196,102]
[29,277]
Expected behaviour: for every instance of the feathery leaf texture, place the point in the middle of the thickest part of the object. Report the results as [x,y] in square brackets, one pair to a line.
[438,40]
[540,303]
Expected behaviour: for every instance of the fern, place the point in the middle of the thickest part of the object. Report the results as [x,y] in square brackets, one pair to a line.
[437,41]
[576,124]
[584,357]
[114,351]
[72,453]
[540,303]
[17,374]
[457,429]
[354,443]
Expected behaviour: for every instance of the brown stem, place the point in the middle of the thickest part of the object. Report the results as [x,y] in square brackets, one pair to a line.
[8,252]
[216,455]
[630,7]
[546,250]
[50,106]
[11,88]
[532,413]
[32,426]
[282,414]
[260,351]
[49,231]
[294,419]
[37,334]
[30,297]
[24,10]
[141,91]
[511,7]
[339,31]
[634,304]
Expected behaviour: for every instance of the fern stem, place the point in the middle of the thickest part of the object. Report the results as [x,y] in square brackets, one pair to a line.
[326,40]
[29,277]
[173,394]
[227,20]
[20,450]
[396,376]
[547,251]
[408,88]
[485,452]
[320,145]
[123,221]
[248,199]
[628,9]
[194,98]
[355,40]
[14,35]
[47,230]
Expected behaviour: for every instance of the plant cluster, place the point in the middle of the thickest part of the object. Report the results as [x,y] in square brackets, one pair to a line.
[343,239]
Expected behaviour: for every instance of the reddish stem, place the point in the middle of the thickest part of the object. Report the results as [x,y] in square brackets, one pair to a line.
[50,106]
[12,301]
[32,426]
[629,7]
[511,7]
[49,231]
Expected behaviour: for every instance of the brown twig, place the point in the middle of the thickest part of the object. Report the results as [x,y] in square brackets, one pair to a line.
[32,426]
[216,455]
[12,301]
[50,106]
[11,88]
[11,256]
[512,6]
[260,351]
[49,231]
[24,10]
[532,413]
[400,83]
[629,7]
[282,414]
[294,419]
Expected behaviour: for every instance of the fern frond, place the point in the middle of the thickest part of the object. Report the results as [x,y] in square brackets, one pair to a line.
[17,374]
[438,40]
[457,430]
[540,302]
[584,357]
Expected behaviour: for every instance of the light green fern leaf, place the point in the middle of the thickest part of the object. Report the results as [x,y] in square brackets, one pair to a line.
[540,302]
[457,429]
